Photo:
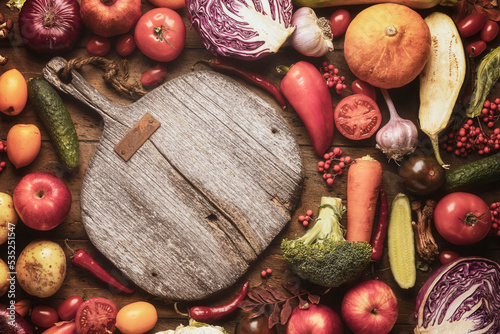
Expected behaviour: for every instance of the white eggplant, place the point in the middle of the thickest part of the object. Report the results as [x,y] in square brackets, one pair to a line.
[441,79]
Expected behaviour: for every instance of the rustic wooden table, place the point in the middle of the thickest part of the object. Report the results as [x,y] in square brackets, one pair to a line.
[89,129]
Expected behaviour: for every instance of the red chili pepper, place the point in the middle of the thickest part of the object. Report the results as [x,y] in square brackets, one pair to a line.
[84,260]
[208,314]
[380,234]
[227,66]
[305,89]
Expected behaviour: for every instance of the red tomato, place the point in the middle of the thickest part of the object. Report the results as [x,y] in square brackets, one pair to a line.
[471,24]
[446,257]
[172,4]
[489,31]
[362,87]
[339,21]
[98,46]
[462,218]
[160,34]
[44,316]
[478,46]
[68,308]
[357,117]
[125,45]
[154,75]
[95,315]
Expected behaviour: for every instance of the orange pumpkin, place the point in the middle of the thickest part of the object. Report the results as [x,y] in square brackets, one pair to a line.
[387,45]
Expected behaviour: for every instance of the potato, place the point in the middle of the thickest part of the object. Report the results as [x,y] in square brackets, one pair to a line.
[41,268]
[7,215]
[4,277]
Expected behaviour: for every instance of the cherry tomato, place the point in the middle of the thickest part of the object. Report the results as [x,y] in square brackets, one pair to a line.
[471,24]
[62,328]
[478,46]
[44,316]
[23,142]
[249,325]
[68,308]
[96,315]
[98,46]
[489,31]
[448,256]
[339,21]
[362,87]
[160,34]
[422,175]
[154,75]
[172,4]
[462,218]
[125,45]
[13,92]
[136,318]
[357,117]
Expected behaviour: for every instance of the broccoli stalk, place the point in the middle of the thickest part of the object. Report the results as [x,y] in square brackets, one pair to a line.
[323,256]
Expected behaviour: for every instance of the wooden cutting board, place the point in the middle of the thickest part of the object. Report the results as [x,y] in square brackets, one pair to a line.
[209,190]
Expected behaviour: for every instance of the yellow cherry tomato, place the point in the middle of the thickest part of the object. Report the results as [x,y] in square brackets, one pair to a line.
[13,92]
[23,144]
[136,318]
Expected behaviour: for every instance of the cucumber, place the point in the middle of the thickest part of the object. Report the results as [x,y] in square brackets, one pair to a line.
[476,173]
[56,120]
[400,243]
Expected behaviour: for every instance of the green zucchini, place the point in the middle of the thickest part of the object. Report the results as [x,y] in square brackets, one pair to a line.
[56,120]
[479,172]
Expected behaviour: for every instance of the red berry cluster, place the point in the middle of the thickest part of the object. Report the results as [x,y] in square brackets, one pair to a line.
[329,159]
[306,219]
[495,218]
[490,112]
[266,273]
[332,77]
[3,149]
[471,138]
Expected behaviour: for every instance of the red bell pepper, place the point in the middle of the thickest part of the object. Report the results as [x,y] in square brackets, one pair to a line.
[305,89]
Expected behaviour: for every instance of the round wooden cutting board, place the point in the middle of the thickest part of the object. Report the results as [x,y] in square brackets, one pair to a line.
[202,197]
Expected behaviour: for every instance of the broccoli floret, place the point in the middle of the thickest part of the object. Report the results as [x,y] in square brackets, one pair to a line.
[323,256]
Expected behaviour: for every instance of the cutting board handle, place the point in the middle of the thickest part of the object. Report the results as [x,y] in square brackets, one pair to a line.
[78,87]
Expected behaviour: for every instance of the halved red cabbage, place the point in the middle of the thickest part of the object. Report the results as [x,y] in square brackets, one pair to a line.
[461,297]
[242,29]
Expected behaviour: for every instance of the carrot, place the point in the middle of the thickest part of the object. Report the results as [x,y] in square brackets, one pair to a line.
[363,182]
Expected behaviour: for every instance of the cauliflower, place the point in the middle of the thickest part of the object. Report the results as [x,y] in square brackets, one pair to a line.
[195,328]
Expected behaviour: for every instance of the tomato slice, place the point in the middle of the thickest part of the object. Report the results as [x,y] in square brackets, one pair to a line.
[96,315]
[357,117]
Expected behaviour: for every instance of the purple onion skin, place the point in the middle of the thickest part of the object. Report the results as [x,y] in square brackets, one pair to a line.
[50,26]
[14,324]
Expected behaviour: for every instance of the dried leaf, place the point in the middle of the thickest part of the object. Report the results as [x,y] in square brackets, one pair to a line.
[293,288]
[303,304]
[274,318]
[286,311]
[492,14]
[277,293]
[265,295]
[459,11]
[313,298]
[247,305]
[260,312]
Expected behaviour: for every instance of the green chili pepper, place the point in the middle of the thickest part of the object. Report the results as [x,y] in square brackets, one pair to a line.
[488,73]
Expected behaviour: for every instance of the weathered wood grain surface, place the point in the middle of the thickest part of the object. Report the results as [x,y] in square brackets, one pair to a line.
[90,129]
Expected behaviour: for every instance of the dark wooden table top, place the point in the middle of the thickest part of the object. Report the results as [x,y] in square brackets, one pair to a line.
[89,128]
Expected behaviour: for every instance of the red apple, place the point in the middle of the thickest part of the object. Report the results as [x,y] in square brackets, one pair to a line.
[42,200]
[109,18]
[317,319]
[370,307]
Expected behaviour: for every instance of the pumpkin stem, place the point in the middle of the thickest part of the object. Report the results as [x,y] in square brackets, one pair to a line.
[391,31]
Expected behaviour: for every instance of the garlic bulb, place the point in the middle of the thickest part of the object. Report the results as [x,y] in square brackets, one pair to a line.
[399,136]
[312,36]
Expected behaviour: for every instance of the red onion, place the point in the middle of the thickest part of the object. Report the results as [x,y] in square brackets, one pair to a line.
[12,323]
[50,26]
